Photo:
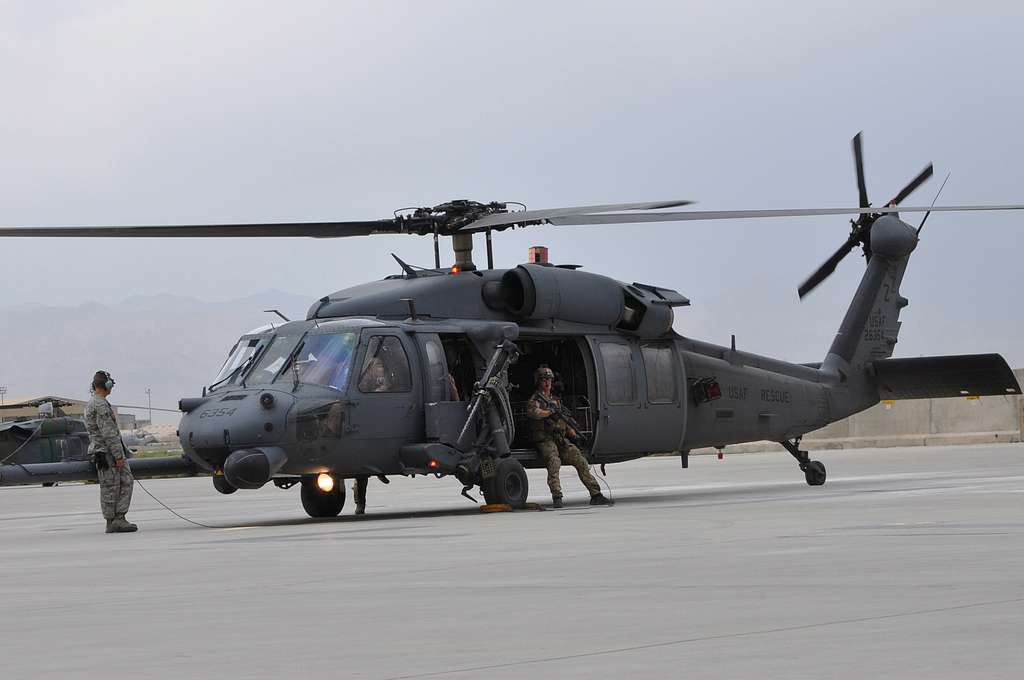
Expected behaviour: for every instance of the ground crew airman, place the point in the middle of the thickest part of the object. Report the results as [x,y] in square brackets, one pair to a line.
[549,433]
[109,455]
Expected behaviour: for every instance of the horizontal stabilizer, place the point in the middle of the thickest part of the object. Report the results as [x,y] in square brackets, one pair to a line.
[967,375]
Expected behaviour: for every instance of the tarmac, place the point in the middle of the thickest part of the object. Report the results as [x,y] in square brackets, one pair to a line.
[908,563]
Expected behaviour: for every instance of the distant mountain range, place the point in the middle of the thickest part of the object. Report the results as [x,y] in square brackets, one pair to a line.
[172,345]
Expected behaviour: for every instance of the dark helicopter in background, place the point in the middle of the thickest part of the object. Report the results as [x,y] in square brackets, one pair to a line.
[361,386]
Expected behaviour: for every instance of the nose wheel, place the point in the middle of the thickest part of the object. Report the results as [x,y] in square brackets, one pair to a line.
[814,471]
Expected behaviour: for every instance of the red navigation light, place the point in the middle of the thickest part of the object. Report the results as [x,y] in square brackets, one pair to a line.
[432,464]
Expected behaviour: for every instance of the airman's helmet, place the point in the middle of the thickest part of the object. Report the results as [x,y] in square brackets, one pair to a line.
[542,372]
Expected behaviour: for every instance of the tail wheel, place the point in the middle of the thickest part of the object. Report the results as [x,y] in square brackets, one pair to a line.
[814,473]
[319,503]
[509,485]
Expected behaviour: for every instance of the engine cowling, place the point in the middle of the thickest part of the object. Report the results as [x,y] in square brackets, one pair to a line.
[532,291]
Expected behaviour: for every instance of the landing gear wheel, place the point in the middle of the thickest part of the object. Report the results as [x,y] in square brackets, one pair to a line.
[508,486]
[221,484]
[814,472]
[318,503]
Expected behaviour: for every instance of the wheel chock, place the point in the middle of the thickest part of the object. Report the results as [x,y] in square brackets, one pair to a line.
[505,507]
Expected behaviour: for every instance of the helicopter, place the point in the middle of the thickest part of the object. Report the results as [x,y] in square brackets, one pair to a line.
[427,372]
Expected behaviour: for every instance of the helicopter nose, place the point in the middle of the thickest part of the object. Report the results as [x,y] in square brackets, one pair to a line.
[235,423]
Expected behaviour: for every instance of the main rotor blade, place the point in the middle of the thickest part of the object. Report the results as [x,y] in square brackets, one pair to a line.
[858,160]
[914,184]
[826,269]
[534,215]
[748,214]
[310,229]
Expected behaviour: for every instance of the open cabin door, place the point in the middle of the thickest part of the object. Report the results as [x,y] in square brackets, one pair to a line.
[641,397]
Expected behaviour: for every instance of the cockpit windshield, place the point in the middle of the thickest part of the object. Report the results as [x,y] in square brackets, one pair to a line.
[324,359]
[273,359]
[237,358]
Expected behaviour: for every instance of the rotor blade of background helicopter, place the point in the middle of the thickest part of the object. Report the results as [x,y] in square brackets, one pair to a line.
[858,160]
[746,214]
[914,184]
[826,269]
[533,215]
[311,229]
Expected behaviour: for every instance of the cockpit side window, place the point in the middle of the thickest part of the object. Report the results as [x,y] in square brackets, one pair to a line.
[385,366]
[324,359]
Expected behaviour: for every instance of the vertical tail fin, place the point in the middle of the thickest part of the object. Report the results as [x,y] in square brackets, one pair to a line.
[870,329]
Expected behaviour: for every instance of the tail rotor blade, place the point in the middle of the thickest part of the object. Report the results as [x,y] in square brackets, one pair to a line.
[914,184]
[858,159]
[826,269]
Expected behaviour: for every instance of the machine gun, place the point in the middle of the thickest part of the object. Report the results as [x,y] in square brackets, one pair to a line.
[486,392]
[490,396]
[560,412]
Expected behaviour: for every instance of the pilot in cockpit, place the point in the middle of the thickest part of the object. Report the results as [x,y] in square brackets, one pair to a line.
[375,377]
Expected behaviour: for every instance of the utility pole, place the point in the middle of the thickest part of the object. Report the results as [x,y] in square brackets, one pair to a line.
[149,398]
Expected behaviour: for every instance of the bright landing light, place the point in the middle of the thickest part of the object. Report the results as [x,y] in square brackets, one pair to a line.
[325,482]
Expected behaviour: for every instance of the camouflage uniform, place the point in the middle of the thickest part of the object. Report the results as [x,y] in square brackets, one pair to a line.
[115,483]
[548,437]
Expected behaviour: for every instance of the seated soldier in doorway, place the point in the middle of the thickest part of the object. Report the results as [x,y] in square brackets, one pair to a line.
[550,434]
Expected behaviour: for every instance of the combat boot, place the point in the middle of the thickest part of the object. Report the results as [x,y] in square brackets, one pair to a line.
[599,499]
[360,508]
[122,526]
[556,501]
[110,526]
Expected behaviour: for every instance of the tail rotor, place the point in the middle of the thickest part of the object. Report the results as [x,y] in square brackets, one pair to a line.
[860,231]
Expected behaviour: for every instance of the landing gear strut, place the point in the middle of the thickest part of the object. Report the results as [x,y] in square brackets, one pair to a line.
[814,471]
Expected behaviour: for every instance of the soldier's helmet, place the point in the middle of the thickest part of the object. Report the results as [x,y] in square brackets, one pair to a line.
[541,373]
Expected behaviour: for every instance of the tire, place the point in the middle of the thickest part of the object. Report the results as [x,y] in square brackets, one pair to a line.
[508,486]
[317,504]
[221,484]
[815,473]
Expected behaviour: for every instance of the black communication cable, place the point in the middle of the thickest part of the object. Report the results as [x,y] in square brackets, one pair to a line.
[165,506]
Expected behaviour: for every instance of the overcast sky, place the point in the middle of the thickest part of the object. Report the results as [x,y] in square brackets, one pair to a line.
[132,112]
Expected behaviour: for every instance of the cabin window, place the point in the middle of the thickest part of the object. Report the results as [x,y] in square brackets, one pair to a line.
[618,373]
[660,373]
[436,373]
[385,366]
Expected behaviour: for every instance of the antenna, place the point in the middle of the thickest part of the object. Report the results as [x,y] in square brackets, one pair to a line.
[278,313]
[412,307]
[925,218]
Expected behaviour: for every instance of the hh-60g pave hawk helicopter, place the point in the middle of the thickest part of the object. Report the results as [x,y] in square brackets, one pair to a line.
[363,385]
